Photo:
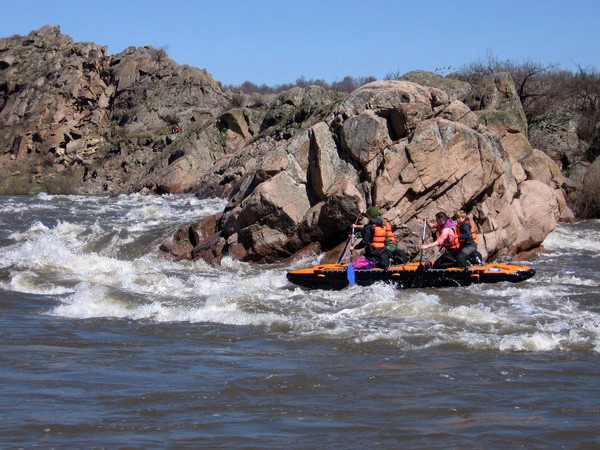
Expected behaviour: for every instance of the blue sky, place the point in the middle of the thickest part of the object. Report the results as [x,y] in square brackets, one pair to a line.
[276,42]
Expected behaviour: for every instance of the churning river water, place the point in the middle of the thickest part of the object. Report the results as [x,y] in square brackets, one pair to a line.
[105,345]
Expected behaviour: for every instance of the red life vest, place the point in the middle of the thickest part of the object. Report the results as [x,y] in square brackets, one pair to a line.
[381,233]
[451,241]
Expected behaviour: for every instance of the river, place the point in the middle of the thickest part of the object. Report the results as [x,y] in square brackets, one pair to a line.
[106,345]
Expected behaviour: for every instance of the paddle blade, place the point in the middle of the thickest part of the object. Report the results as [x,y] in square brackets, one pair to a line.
[350,273]
[419,276]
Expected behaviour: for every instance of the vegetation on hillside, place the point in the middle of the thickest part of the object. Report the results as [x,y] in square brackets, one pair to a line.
[541,87]
[347,84]
[544,87]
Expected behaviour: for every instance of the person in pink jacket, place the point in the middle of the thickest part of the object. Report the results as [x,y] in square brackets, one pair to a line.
[447,239]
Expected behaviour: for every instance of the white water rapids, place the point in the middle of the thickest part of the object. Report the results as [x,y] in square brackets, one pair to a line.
[96,256]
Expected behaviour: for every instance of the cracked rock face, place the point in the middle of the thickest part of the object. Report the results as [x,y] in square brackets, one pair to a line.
[105,120]
[407,148]
[297,167]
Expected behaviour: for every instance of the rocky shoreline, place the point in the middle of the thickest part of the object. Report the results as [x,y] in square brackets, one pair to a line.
[296,166]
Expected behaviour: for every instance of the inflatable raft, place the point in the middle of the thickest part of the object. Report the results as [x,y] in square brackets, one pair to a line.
[416,275]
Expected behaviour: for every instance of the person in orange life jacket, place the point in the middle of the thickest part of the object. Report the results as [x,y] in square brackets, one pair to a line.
[447,239]
[375,235]
[467,237]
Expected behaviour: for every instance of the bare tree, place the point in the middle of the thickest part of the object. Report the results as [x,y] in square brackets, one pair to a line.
[539,86]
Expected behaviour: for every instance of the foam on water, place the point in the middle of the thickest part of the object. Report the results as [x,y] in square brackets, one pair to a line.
[565,238]
[35,230]
[79,259]
[93,301]
[30,283]
[571,280]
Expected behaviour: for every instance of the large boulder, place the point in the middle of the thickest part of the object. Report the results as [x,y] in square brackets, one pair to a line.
[407,148]
[588,200]
[537,210]
[495,100]
[296,166]
[455,89]
[54,95]
[103,123]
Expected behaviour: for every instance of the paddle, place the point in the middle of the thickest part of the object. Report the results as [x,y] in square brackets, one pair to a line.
[420,272]
[350,275]
[351,237]
[345,247]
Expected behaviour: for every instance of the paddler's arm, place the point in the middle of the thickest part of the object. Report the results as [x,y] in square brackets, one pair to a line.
[367,234]
[439,241]
[426,246]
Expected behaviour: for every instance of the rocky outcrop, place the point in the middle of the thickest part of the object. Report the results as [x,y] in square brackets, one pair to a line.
[412,150]
[588,198]
[297,167]
[556,134]
[70,109]
[54,98]
[456,89]
[74,119]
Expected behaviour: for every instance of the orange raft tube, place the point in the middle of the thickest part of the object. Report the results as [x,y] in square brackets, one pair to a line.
[415,274]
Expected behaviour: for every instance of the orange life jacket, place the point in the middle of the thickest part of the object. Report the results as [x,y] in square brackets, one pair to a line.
[381,233]
[451,241]
[473,233]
